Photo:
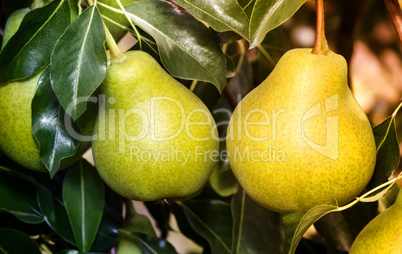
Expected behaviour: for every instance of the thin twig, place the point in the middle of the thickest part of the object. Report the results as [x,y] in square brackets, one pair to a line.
[395,12]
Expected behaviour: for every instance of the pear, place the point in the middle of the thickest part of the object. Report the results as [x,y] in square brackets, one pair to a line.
[383,234]
[153,139]
[300,139]
[16,140]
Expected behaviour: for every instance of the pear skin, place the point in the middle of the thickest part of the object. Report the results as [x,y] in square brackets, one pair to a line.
[16,139]
[383,234]
[154,139]
[300,139]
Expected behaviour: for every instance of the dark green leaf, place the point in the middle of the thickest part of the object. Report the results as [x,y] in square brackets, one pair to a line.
[83,196]
[335,230]
[29,49]
[186,228]
[48,126]
[107,234]
[14,241]
[111,219]
[221,15]
[247,6]
[182,41]
[387,151]
[298,223]
[268,14]
[153,245]
[17,174]
[55,214]
[252,235]
[211,219]
[78,62]
[18,197]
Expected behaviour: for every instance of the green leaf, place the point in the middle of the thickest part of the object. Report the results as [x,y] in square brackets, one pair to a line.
[79,61]
[247,6]
[182,41]
[48,126]
[137,223]
[268,14]
[220,15]
[107,235]
[334,228]
[29,49]
[84,199]
[153,245]
[222,179]
[15,241]
[18,197]
[387,151]
[211,219]
[252,235]
[17,174]
[111,219]
[298,223]
[54,214]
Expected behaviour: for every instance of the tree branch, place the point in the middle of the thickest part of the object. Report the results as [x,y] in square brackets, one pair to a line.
[395,12]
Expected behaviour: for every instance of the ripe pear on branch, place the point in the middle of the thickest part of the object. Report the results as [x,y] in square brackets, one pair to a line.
[300,139]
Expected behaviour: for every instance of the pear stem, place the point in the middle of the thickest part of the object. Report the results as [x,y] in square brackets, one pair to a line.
[320,44]
[131,23]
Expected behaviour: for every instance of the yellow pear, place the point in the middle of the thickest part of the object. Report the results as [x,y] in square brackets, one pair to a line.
[383,234]
[154,139]
[300,139]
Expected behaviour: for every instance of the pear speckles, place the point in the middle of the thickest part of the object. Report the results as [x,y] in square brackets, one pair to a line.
[161,152]
[16,140]
[326,138]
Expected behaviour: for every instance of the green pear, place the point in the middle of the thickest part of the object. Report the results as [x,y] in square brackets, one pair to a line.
[154,139]
[383,234]
[12,24]
[16,139]
[116,31]
[300,139]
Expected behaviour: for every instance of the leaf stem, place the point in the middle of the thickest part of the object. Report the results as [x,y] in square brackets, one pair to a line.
[131,23]
[390,182]
[115,52]
[320,44]
[397,110]
[193,85]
